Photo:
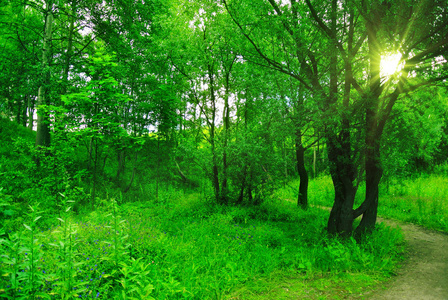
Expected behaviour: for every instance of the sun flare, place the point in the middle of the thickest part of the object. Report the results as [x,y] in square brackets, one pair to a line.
[390,64]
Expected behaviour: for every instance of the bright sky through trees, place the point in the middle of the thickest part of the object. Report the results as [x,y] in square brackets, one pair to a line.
[390,64]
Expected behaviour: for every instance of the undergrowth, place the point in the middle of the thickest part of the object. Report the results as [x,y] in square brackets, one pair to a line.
[190,249]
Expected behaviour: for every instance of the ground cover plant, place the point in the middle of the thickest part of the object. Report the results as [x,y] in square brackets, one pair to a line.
[192,249]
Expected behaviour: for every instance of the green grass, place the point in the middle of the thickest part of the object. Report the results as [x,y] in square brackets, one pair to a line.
[422,200]
[191,249]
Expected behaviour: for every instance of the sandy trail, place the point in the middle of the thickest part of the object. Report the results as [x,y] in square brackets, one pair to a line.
[424,275]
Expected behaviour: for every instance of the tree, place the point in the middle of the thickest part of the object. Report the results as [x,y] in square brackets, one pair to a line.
[48,50]
[207,64]
[94,111]
[43,122]
[414,134]
[18,61]
[354,35]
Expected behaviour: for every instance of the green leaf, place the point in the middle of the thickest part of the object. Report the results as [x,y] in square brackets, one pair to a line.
[9,212]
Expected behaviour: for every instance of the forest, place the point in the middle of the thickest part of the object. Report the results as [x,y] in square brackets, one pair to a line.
[218,149]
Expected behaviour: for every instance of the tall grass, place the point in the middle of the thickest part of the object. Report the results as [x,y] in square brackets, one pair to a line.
[422,200]
[192,249]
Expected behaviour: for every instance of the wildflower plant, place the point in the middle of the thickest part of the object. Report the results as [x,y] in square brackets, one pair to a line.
[9,247]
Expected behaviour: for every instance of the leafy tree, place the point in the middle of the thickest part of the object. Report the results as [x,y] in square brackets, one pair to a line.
[211,67]
[335,52]
[18,61]
[414,133]
[95,111]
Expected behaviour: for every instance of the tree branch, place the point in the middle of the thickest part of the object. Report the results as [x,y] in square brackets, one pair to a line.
[275,65]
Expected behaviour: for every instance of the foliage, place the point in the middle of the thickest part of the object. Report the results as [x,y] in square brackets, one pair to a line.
[193,250]
[172,142]
[415,133]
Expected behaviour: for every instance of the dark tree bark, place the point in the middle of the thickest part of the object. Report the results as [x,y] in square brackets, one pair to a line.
[342,173]
[339,152]
[43,122]
[134,170]
[243,187]
[226,119]
[303,174]
[373,132]
[24,110]
[121,158]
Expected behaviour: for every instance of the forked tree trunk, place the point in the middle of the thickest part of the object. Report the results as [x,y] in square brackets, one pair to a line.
[374,173]
[243,187]
[342,173]
[339,153]
[369,216]
[373,168]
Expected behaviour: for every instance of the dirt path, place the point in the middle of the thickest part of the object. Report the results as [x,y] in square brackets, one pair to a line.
[424,275]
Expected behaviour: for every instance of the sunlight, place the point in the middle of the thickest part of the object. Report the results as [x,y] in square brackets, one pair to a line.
[390,64]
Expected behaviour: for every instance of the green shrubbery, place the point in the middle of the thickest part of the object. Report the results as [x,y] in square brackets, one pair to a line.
[193,249]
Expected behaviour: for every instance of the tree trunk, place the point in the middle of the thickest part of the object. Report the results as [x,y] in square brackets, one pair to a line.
[158,167]
[226,120]
[303,174]
[373,177]
[134,170]
[121,163]
[95,165]
[215,172]
[342,173]
[43,126]
[59,126]
[24,109]
[373,168]
[69,49]
[18,117]
[243,186]
[339,153]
